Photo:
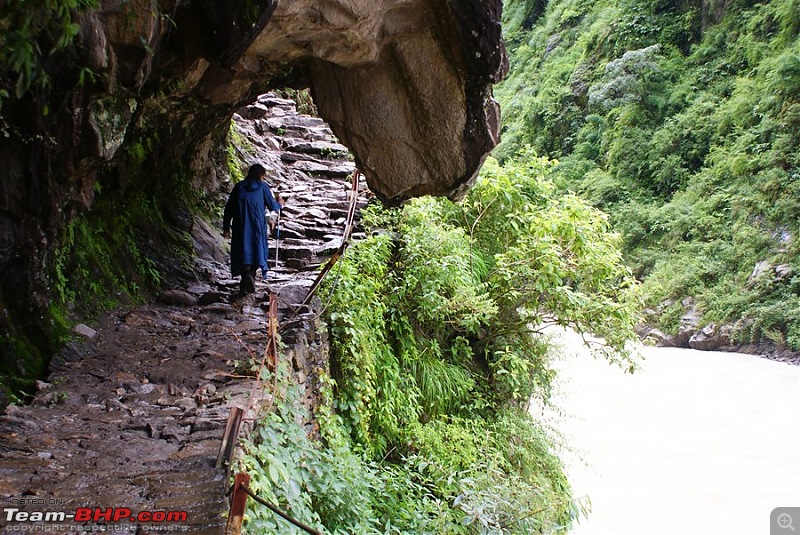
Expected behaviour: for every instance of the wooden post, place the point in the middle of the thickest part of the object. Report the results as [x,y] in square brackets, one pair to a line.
[229,439]
[238,504]
[272,337]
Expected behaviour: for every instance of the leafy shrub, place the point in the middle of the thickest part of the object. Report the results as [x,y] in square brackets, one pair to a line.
[31,33]
[319,485]
[436,329]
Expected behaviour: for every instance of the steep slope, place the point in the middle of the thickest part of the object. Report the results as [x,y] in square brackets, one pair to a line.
[682,121]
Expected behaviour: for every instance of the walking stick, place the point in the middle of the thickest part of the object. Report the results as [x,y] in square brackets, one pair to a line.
[277,238]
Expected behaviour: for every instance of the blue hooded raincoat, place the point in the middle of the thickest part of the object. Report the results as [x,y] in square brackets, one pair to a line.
[245,209]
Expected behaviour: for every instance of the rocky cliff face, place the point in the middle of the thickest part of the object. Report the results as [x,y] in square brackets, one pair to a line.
[138,105]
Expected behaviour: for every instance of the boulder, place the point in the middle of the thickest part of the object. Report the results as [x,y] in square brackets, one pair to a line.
[85,331]
[689,325]
[178,297]
[711,338]
[655,337]
[783,271]
[759,270]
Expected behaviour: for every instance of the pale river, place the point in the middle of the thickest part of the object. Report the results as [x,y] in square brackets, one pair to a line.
[694,443]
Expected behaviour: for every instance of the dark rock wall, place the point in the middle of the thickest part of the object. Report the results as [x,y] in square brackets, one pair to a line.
[138,107]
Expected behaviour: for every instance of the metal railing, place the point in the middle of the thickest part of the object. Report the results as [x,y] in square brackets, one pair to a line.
[239,495]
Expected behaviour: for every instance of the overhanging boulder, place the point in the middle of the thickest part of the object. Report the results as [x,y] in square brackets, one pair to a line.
[406,85]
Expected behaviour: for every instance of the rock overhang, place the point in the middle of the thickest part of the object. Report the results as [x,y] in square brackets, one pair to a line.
[406,85]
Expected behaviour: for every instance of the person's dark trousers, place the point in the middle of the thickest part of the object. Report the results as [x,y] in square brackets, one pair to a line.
[248,282]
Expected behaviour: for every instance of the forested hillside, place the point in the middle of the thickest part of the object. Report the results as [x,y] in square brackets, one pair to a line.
[681,120]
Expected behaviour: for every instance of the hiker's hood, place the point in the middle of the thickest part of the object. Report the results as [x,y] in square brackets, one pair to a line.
[252,184]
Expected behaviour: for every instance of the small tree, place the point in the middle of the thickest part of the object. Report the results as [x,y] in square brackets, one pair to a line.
[552,260]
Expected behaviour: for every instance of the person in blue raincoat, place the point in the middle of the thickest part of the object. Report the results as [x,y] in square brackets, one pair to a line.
[245,218]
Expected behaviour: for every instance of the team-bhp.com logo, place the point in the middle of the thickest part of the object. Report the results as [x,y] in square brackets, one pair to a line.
[27,521]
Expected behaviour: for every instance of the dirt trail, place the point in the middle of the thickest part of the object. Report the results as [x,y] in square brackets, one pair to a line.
[132,415]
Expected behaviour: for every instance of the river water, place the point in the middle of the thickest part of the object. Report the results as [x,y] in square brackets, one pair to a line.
[694,443]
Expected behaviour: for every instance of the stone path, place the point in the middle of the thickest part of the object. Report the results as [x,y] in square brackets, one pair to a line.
[132,415]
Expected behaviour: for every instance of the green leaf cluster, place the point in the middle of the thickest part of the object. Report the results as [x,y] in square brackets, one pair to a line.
[29,33]
[120,251]
[462,475]
[326,486]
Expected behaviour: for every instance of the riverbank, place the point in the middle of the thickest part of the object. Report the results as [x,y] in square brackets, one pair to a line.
[695,442]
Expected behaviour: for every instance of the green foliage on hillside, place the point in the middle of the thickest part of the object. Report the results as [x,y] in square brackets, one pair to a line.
[438,343]
[683,123]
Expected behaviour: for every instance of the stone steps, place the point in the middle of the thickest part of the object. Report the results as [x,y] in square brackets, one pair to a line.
[133,413]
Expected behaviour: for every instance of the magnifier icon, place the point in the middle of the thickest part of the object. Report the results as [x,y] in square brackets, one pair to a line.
[785,521]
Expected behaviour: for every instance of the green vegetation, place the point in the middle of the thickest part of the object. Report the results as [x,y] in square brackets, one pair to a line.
[682,121]
[318,485]
[239,149]
[302,98]
[117,252]
[100,264]
[18,379]
[24,29]
[438,325]
[234,143]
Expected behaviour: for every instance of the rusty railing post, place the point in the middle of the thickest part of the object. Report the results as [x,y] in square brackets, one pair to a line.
[238,504]
[231,434]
